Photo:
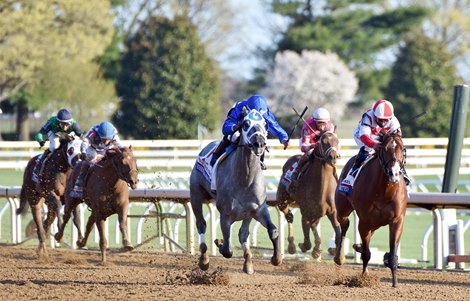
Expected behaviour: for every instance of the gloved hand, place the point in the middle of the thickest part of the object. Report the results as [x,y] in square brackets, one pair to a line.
[82,156]
[285,143]
[234,137]
[41,143]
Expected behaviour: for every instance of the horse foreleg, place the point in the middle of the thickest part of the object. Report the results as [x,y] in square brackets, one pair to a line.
[77,220]
[37,216]
[122,218]
[201,230]
[339,254]
[67,214]
[103,240]
[224,245]
[336,227]
[290,239]
[243,234]
[264,218]
[306,225]
[56,205]
[396,230]
[316,252]
[366,235]
[81,243]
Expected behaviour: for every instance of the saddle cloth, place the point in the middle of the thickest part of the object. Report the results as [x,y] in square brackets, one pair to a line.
[346,186]
[203,165]
[287,178]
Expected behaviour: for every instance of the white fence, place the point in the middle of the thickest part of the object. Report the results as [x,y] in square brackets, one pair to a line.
[431,201]
[166,164]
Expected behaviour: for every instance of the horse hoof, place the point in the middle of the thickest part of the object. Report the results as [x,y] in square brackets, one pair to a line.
[129,248]
[276,260]
[248,269]
[332,251]
[80,244]
[58,236]
[316,254]
[357,248]
[203,263]
[291,249]
[338,260]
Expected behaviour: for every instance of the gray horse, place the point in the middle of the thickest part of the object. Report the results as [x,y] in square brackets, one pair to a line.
[240,193]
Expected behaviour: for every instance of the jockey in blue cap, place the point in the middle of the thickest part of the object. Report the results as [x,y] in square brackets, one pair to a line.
[96,142]
[236,115]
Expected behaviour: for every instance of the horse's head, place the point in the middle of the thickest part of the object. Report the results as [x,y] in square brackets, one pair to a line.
[327,148]
[126,166]
[253,132]
[73,152]
[392,157]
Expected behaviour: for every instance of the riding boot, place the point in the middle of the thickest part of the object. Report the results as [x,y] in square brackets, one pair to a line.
[292,187]
[220,150]
[37,171]
[361,156]
[78,189]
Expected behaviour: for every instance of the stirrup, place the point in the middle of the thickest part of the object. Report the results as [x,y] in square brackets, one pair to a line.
[35,178]
[77,192]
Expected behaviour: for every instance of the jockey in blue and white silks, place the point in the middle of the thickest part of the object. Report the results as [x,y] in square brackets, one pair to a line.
[96,141]
[235,117]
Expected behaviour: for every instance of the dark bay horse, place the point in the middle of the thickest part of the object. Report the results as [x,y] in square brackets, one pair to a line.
[379,198]
[315,195]
[240,194]
[107,193]
[50,189]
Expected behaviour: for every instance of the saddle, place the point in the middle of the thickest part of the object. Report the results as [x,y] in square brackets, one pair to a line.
[209,172]
[346,186]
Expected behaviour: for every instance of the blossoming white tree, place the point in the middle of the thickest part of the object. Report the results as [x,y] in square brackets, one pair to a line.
[312,79]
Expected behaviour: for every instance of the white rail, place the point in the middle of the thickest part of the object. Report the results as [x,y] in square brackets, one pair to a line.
[430,201]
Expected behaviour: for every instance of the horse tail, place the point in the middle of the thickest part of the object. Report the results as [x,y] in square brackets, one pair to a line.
[23,209]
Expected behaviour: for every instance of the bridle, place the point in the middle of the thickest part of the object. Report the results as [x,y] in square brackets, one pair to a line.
[323,151]
[253,127]
[127,177]
[387,164]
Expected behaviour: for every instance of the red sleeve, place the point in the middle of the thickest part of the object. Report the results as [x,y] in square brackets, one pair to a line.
[367,141]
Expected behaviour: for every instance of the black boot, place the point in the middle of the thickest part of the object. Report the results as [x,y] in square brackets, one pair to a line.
[361,156]
[79,188]
[38,167]
[292,187]
[220,150]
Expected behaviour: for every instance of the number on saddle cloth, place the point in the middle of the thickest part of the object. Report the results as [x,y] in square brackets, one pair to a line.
[346,186]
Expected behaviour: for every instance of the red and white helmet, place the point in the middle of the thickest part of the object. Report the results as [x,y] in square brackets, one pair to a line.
[321,115]
[383,109]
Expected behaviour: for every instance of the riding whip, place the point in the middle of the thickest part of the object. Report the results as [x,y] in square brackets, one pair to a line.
[301,117]
[297,123]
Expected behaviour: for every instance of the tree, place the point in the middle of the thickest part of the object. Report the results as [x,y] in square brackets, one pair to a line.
[35,33]
[311,78]
[168,85]
[360,32]
[423,78]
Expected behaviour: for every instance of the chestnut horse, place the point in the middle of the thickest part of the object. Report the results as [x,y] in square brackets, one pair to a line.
[379,198]
[315,195]
[106,193]
[50,189]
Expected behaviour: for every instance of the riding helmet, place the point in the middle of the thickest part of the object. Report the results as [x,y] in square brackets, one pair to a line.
[64,116]
[383,109]
[321,115]
[257,102]
[106,130]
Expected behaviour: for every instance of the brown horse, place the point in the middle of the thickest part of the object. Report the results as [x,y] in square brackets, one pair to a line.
[315,193]
[107,193]
[379,198]
[50,189]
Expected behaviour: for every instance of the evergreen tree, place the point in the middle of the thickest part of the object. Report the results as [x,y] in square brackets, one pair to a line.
[168,85]
[358,31]
[423,78]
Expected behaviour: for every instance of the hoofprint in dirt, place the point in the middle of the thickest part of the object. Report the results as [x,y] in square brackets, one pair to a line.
[138,275]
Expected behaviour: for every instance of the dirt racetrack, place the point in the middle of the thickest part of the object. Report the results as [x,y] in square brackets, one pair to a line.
[144,275]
